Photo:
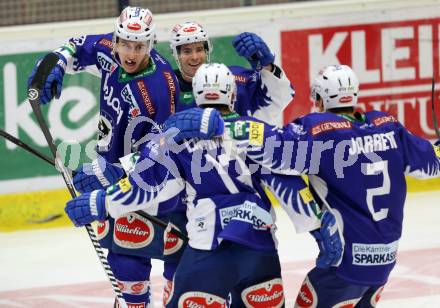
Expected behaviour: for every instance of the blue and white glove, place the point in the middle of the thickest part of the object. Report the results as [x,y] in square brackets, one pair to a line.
[329,242]
[98,174]
[254,49]
[196,123]
[53,82]
[87,208]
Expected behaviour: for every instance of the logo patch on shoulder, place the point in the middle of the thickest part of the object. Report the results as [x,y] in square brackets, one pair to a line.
[256,133]
[238,130]
[385,119]
[107,43]
[330,126]
[125,185]
[437,150]
[306,195]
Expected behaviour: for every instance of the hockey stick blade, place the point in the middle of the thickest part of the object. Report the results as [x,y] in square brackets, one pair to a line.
[434,116]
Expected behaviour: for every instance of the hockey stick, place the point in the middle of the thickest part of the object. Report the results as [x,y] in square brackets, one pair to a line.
[434,117]
[26,147]
[35,152]
[43,71]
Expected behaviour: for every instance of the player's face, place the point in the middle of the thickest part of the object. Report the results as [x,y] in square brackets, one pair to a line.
[133,55]
[191,56]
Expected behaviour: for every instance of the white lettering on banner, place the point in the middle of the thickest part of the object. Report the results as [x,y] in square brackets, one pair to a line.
[359,63]
[391,54]
[85,103]
[320,57]
[374,254]
[19,115]
[395,56]
[426,64]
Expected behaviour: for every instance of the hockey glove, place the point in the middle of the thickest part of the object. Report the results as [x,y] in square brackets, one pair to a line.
[98,174]
[87,208]
[53,83]
[196,123]
[329,242]
[254,49]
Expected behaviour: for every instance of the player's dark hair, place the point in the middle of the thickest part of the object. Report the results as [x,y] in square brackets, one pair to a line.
[205,46]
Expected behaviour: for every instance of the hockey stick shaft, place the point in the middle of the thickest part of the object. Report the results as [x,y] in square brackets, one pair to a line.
[34,97]
[434,116]
[26,147]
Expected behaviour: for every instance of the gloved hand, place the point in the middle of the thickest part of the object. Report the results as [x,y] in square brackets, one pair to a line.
[98,174]
[53,82]
[254,49]
[87,208]
[196,123]
[329,241]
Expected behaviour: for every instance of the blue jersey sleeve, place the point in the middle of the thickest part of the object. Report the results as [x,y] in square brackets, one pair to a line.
[262,94]
[86,50]
[294,196]
[421,158]
[154,185]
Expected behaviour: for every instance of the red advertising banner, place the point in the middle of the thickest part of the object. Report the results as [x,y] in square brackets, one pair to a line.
[395,63]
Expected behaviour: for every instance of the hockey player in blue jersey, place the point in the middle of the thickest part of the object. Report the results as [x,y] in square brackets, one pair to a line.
[356,164]
[138,93]
[262,92]
[230,224]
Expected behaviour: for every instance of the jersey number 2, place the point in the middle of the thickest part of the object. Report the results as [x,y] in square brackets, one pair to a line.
[375,169]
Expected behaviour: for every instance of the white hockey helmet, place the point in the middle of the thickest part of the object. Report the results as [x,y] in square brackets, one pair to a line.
[337,85]
[214,84]
[187,33]
[135,24]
